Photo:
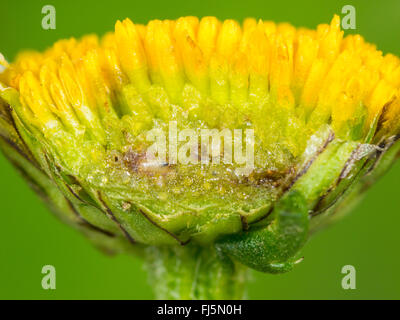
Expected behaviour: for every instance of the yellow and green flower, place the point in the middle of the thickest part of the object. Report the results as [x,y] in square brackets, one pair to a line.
[325,110]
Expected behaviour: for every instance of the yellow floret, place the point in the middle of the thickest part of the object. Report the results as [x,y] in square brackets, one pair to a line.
[318,76]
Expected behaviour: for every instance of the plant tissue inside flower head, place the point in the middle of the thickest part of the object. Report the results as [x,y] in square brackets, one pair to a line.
[90,104]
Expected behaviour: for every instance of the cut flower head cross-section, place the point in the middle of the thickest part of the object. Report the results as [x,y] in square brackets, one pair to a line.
[324,109]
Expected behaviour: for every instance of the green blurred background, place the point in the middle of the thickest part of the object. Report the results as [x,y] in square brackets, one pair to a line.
[31,237]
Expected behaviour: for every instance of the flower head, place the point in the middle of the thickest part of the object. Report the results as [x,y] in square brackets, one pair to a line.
[324,109]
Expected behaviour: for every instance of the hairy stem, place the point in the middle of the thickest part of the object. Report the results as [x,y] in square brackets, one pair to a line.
[194,273]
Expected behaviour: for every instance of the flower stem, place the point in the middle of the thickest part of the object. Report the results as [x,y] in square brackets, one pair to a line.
[194,273]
